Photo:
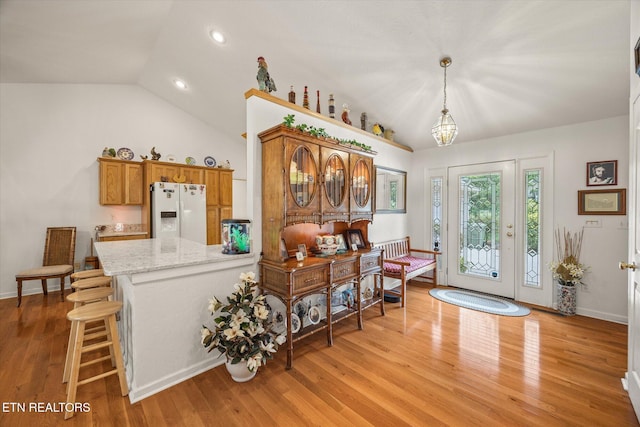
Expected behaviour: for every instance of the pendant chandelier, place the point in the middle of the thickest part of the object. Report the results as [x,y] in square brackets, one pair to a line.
[445,130]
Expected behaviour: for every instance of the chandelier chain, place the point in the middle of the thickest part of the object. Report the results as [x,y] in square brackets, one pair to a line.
[445,88]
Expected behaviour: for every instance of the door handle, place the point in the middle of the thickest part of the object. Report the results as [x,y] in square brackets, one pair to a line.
[509,234]
[623,266]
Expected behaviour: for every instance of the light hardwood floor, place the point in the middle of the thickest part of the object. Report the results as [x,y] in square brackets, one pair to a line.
[429,364]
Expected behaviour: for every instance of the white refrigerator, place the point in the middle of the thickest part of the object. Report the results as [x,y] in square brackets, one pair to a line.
[179,210]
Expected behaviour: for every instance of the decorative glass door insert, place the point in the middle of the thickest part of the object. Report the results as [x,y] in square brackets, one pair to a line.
[480,243]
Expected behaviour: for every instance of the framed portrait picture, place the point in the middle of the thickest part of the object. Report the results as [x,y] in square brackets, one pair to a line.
[602,202]
[355,238]
[302,248]
[284,253]
[604,172]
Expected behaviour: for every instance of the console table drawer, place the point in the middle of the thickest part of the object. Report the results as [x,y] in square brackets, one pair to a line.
[345,270]
[308,279]
[370,262]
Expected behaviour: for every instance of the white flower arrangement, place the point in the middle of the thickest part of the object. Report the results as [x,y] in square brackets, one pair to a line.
[569,271]
[241,329]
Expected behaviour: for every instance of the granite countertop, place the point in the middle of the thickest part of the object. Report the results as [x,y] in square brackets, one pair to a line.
[144,255]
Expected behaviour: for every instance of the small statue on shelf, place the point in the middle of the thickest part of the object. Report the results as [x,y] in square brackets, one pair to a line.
[345,114]
[265,82]
[154,154]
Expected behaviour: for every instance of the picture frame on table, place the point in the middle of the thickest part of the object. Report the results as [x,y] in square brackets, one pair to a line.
[302,248]
[284,253]
[604,172]
[355,238]
[602,202]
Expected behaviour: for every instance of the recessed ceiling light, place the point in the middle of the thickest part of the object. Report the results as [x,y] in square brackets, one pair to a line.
[217,36]
[180,84]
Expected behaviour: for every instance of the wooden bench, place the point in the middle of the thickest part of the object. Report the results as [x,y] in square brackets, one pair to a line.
[403,262]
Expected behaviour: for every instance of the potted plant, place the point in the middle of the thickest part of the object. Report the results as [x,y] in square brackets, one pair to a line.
[242,332]
[568,270]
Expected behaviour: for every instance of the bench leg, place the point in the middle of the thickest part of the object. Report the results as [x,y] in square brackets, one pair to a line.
[19,281]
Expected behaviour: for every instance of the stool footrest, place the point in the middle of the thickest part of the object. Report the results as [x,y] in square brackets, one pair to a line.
[96,346]
[94,361]
[94,335]
[97,377]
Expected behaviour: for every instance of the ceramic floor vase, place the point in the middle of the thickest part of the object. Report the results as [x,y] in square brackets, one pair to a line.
[566,298]
[239,371]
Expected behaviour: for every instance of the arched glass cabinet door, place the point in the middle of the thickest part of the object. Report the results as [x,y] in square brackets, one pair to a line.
[334,180]
[360,183]
[302,173]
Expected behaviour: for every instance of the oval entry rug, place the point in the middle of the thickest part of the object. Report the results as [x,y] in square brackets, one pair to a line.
[480,302]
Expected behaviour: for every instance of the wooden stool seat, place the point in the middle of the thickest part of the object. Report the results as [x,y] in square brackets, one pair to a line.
[89,295]
[91,282]
[105,311]
[85,274]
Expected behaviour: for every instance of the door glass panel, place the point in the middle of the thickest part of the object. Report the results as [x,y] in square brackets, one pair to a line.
[302,172]
[360,183]
[480,225]
[532,223]
[334,183]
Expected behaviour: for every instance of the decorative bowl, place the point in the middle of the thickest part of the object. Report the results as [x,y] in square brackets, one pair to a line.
[328,249]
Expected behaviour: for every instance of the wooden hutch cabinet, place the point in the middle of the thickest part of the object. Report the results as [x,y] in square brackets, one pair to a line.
[120,182]
[313,186]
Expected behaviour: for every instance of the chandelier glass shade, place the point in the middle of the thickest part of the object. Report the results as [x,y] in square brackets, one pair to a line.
[444,130]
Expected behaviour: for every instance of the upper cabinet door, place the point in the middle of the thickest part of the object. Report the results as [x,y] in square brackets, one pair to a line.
[361,185]
[335,188]
[302,180]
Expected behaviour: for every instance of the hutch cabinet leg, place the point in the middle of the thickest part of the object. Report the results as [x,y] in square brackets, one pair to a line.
[358,301]
[329,318]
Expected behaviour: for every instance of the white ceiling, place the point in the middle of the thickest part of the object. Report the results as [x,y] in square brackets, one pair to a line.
[517,65]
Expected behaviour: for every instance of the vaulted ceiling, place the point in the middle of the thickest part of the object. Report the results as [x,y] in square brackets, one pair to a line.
[517,65]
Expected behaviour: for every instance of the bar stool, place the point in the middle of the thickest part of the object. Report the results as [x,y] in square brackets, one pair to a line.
[85,274]
[105,311]
[79,299]
[91,282]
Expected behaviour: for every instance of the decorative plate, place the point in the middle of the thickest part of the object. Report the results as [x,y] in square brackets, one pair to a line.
[171,158]
[125,154]
[314,315]
[210,162]
[301,309]
[277,314]
[295,323]
[190,161]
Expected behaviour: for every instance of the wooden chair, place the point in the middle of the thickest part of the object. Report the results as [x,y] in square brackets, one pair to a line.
[57,262]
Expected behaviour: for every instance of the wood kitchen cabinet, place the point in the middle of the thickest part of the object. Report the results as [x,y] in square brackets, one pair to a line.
[120,182]
[219,183]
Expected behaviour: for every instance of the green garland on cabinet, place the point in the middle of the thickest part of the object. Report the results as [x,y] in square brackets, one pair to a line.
[321,133]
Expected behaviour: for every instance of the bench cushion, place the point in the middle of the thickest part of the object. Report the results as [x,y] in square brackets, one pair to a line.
[415,264]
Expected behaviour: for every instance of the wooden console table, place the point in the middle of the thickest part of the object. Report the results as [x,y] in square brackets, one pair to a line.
[292,280]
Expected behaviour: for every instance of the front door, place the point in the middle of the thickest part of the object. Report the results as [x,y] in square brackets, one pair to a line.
[480,247]
[633,354]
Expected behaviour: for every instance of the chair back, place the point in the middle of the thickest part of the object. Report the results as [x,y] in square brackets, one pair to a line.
[60,246]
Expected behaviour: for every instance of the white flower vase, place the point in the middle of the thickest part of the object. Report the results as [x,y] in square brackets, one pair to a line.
[239,371]
[566,298]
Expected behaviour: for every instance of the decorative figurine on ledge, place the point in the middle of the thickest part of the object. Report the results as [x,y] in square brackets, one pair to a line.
[154,154]
[345,114]
[265,82]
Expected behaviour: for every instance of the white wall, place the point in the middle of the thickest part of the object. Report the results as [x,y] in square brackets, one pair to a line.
[571,147]
[50,137]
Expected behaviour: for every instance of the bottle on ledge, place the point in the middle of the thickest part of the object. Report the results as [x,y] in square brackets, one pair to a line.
[318,102]
[332,107]
[305,98]
[292,96]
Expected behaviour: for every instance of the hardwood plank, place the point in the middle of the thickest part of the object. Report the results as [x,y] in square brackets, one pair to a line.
[429,364]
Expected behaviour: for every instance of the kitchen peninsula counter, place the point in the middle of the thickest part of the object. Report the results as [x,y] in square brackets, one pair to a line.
[165,285]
